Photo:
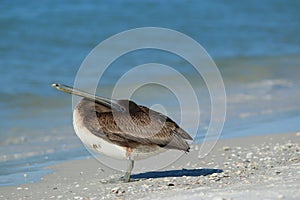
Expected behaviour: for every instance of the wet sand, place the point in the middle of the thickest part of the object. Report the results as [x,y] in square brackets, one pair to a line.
[257,167]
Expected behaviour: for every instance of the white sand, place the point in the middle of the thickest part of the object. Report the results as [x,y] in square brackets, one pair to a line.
[262,167]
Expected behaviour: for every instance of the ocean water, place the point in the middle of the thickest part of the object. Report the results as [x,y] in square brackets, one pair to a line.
[255,45]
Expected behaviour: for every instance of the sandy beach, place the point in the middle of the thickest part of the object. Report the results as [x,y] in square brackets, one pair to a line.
[257,167]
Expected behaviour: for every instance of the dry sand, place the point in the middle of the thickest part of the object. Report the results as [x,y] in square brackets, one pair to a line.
[260,167]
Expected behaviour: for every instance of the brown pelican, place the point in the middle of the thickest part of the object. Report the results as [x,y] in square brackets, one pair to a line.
[122,129]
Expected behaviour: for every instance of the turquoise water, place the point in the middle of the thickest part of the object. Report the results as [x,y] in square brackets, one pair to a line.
[255,44]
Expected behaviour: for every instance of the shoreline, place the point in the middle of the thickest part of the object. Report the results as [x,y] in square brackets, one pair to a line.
[255,167]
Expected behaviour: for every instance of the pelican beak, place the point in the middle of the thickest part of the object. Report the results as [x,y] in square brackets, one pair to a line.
[63,88]
[102,100]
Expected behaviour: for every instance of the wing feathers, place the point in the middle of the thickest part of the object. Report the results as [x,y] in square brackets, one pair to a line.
[145,127]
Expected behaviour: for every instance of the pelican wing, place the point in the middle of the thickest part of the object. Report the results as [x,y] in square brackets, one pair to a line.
[142,128]
[179,130]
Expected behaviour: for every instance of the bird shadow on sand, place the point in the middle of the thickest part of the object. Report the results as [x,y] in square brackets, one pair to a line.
[176,173]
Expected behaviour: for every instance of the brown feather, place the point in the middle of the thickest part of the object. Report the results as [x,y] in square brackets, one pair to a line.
[139,126]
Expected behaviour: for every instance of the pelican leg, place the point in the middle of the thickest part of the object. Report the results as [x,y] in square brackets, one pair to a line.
[126,177]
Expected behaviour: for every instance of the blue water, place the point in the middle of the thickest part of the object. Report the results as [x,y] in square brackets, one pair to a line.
[255,44]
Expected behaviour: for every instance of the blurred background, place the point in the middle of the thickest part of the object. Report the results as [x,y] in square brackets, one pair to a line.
[255,44]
